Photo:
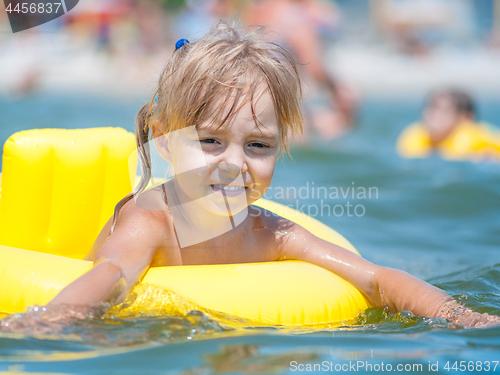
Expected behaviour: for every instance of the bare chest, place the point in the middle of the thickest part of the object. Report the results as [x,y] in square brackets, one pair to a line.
[244,247]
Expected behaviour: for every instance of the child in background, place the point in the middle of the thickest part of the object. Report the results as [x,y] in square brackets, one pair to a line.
[224,110]
[449,128]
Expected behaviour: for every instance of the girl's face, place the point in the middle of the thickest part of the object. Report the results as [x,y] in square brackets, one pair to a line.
[225,168]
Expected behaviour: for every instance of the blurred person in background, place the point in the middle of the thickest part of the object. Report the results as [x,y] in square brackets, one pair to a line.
[414,25]
[121,28]
[329,103]
[449,128]
[102,45]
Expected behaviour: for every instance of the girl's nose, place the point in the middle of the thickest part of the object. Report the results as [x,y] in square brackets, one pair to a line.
[233,161]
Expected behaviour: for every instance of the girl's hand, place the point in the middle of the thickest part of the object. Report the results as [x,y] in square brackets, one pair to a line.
[381,286]
[457,313]
[48,319]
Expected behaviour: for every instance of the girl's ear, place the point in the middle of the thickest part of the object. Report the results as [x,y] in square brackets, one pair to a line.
[161,143]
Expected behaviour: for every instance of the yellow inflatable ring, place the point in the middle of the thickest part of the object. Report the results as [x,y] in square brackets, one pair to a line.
[468,141]
[278,293]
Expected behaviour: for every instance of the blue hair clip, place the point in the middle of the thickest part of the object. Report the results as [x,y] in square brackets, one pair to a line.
[156,99]
[180,43]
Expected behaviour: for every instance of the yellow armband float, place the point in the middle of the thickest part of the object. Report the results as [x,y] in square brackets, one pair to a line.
[468,141]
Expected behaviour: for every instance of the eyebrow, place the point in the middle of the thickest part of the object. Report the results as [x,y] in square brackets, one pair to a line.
[266,135]
[257,134]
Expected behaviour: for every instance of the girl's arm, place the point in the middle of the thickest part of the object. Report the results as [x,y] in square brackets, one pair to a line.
[382,286]
[120,261]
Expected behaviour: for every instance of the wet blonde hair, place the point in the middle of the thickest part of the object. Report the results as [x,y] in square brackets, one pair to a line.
[210,79]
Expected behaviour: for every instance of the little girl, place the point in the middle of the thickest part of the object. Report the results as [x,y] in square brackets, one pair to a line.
[223,111]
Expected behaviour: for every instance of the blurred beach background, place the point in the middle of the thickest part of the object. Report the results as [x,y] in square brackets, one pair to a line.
[438,220]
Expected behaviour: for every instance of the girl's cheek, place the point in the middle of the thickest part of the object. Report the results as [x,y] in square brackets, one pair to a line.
[192,158]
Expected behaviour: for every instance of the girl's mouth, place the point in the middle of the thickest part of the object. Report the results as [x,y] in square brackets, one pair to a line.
[228,190]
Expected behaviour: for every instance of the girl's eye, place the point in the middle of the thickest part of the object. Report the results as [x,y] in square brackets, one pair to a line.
[209,141]
[258,145]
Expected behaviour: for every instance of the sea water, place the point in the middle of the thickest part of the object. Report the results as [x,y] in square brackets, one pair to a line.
[435,219]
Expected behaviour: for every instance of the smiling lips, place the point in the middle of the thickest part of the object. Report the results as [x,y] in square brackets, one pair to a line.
[228,190]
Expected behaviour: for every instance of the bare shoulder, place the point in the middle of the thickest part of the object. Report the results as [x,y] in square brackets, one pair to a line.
[279,229]
[293,241]
[143,223]
[146,212]
[270,220]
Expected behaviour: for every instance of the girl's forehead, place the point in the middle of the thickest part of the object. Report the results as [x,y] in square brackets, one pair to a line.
[256,110]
